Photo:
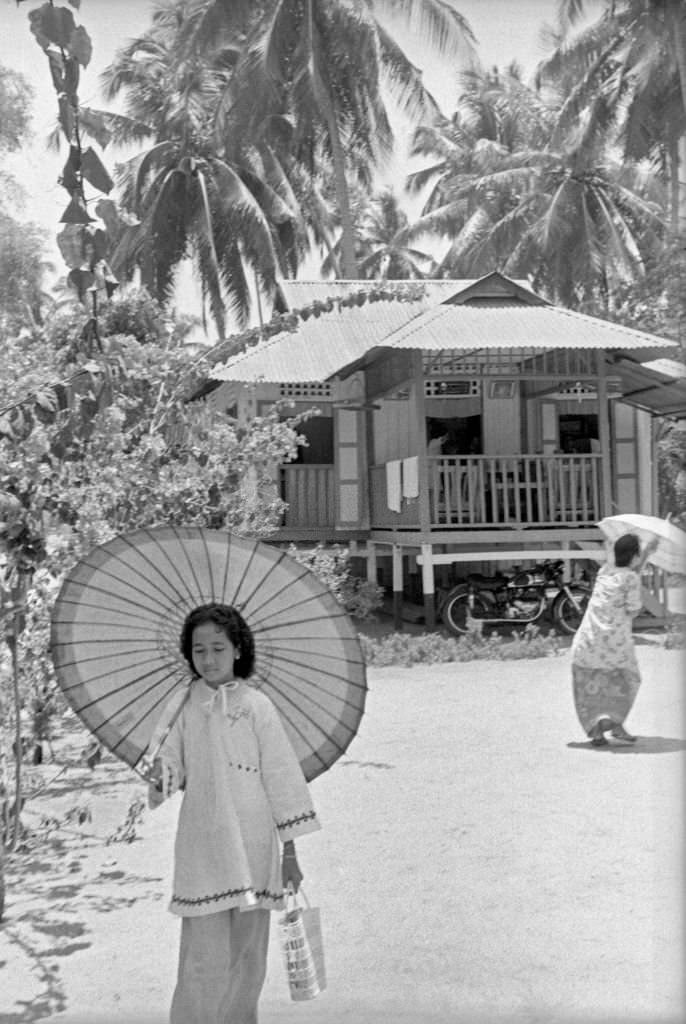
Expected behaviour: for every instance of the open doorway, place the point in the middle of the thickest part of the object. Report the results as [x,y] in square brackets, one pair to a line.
[461,434]
[318,431]
[578,433]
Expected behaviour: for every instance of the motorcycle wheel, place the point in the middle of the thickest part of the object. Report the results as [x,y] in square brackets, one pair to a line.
[566,617]
[456,608]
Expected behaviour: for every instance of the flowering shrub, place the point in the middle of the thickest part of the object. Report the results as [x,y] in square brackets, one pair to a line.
[432,648]
[360,598]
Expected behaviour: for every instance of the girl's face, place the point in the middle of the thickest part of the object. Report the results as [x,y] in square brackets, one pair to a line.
[213,654]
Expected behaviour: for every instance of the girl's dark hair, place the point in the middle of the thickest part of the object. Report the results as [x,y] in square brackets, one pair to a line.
[232,624]
[625,549]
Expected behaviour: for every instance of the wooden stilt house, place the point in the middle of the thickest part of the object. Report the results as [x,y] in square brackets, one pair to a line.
[473,423]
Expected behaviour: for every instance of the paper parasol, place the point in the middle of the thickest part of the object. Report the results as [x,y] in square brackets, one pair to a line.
[117,622]
[670,553]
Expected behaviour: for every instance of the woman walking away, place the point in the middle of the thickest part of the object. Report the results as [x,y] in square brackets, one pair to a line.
[604,667]
[244,795]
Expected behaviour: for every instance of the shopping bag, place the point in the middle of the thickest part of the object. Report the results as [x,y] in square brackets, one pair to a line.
[300,935]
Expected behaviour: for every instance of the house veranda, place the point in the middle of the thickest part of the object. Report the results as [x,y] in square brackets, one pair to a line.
[476,424]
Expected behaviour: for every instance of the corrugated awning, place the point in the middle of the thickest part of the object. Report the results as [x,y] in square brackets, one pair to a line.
[658,386]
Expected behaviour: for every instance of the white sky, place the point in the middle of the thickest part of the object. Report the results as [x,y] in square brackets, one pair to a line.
[505,30]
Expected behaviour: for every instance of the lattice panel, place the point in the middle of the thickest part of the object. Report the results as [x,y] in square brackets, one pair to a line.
[297,390]
[499,362]
[452,388]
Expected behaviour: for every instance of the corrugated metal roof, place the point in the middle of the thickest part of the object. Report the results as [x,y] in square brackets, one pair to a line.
[503,324]
[331,342]
[321,345]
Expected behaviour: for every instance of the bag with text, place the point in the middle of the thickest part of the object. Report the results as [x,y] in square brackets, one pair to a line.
[300,935]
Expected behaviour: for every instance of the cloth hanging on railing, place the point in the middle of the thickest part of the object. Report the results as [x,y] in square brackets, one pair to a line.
[393,486]
[411,477]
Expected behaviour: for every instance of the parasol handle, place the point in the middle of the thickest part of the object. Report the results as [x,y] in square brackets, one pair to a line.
[148,760]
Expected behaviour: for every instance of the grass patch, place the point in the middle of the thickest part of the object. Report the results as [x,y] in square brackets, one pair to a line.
[432,648]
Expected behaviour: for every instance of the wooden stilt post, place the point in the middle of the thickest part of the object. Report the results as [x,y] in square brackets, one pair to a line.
[423,464]
[428,587]
[397,587]
[371,562]
[604,436]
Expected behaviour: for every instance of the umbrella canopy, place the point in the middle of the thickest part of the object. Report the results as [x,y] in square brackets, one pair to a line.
[117,622]
[670,553]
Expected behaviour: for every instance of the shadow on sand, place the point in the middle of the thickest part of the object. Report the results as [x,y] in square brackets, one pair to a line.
[643,745]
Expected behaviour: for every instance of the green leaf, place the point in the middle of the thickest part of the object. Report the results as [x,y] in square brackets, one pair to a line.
[69,179]
[80,46]
[95,172]
[80,280]
[56,70]
[76,213]
[71,79]
[36,24]
[96,125]
[70,242]
[106,210]
[56,24]
[46,400]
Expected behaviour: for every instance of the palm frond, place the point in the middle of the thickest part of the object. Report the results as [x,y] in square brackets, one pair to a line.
[442,26]
[405,80]
[159,159]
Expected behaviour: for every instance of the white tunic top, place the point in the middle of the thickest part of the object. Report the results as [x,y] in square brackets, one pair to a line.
[244,791]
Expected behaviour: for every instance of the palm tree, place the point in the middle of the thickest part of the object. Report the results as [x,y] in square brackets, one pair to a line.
[629,68]
[230,211]
[537,202]
[322,63]
[497,116]
[383,248]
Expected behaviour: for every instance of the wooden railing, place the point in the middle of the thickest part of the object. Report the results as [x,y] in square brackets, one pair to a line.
[514,490]
[487,490]
[464,491]
[309,492]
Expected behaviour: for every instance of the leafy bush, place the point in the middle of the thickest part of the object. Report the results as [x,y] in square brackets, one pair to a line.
[433,648]
[360,598]
[675,633]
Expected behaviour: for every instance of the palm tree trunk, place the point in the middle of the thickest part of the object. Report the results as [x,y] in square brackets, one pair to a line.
[678,19]
[349,263]
[12,643]
[348,235]
[673,163]
[681,214]
[677,16]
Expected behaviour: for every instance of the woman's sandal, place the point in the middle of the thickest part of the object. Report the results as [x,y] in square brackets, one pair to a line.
[620,733]
[597,732]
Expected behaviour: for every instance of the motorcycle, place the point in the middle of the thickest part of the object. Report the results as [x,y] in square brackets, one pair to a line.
[519,599]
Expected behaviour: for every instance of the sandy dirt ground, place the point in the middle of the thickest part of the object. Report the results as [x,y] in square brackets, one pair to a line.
[479,862]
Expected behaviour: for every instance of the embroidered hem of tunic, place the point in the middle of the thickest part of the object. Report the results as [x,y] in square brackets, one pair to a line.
[242,899]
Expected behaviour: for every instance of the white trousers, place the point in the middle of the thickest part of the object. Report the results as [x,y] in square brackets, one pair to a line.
[222,967]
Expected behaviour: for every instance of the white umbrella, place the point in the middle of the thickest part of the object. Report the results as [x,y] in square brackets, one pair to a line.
[670,553]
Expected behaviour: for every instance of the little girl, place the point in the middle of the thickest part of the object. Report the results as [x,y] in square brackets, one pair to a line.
[244,795]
